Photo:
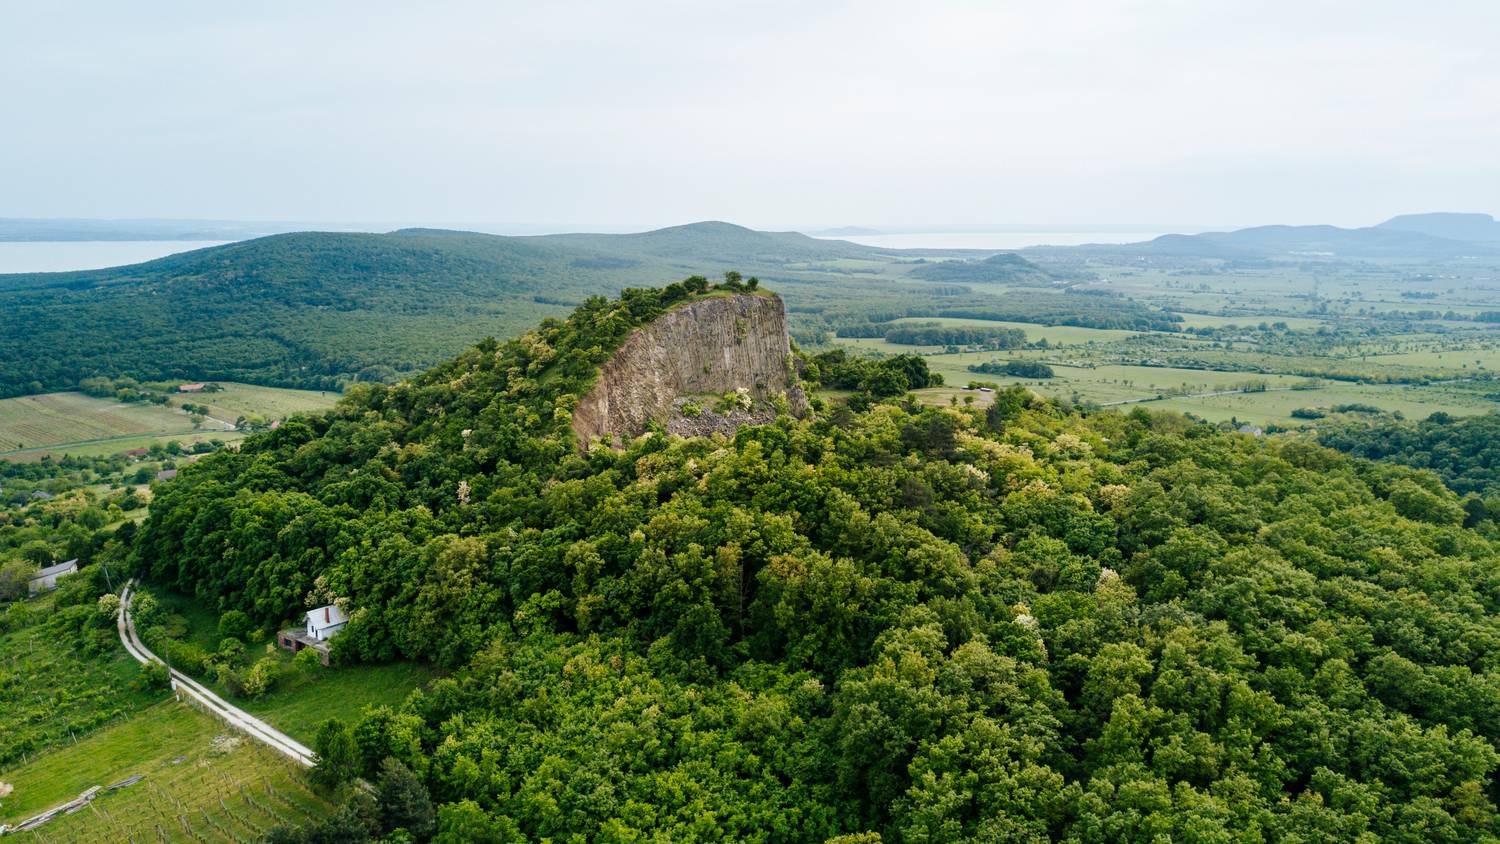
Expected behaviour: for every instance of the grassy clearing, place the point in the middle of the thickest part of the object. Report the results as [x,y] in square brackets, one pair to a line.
[300,702]
[1276,407]
[299,707]
[201,782]
[272,402]
[104,448]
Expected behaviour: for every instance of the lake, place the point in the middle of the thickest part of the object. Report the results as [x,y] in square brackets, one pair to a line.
[62,256]
[996,240]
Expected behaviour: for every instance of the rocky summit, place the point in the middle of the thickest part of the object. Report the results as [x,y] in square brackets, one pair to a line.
[706,366]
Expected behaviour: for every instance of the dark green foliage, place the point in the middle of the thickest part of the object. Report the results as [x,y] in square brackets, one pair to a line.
[1465,452]
[948,624]
[338,755]
[881,378]
[1006,407]
[323,310]
[404,802]
[1014,368]
[930,334]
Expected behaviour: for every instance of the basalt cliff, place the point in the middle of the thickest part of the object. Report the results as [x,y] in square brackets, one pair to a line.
[708,366]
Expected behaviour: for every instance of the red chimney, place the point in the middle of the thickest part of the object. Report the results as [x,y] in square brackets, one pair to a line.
[326,619]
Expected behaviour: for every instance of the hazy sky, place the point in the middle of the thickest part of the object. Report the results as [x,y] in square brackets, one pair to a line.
[768,114]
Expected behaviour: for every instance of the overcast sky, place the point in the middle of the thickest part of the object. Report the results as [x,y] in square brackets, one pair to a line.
[767,114]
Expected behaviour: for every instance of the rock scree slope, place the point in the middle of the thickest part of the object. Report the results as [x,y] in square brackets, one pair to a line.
[711,365]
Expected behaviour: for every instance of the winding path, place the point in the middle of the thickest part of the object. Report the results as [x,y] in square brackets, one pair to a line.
[231,714]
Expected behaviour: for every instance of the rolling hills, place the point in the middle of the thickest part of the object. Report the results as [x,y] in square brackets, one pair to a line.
[320,310]
[1413,237]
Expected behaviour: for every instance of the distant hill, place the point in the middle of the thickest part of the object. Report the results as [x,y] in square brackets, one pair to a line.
[1001,268]
[1305,242]
[296,309]
[724,243]
[317,309]
[1477,228]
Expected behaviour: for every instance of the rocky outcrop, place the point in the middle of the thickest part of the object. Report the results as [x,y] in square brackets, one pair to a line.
[707,366]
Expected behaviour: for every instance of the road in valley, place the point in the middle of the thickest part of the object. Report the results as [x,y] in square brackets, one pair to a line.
[231,714]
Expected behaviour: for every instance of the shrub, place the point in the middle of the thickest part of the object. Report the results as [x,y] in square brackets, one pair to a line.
[234,625]
[153,675]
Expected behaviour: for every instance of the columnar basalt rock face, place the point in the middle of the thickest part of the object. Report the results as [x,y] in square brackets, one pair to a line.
[678,369]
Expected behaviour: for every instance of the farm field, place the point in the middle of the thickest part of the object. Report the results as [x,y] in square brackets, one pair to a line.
[53,419]
[1397,326]
[1276,407]
[56,686]
[272,402]
[1067,335]
[199,782]
[74,423]
[1191,320]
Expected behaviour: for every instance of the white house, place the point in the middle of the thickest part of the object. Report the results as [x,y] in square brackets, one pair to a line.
[325,622]
[46,579]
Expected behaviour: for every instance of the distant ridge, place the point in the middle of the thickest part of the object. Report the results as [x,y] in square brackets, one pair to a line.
[322,309]
[1477,228]
[1329,242]
[1000,268]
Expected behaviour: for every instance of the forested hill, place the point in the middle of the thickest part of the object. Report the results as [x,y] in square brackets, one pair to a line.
[317,309]
[1002,268]
[885,621]
[321,310]
[296,309]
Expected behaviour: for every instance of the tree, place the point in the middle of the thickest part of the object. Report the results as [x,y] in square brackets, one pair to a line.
[14,577]
[234,624]
[1006,407]
[338,756]
[404,802]
[39,552]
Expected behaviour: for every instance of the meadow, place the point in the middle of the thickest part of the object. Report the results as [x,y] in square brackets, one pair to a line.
[300,701]
[200,782]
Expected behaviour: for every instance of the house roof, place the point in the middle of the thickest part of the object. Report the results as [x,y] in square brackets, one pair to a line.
[326,615]
[57,568]
[166,474]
